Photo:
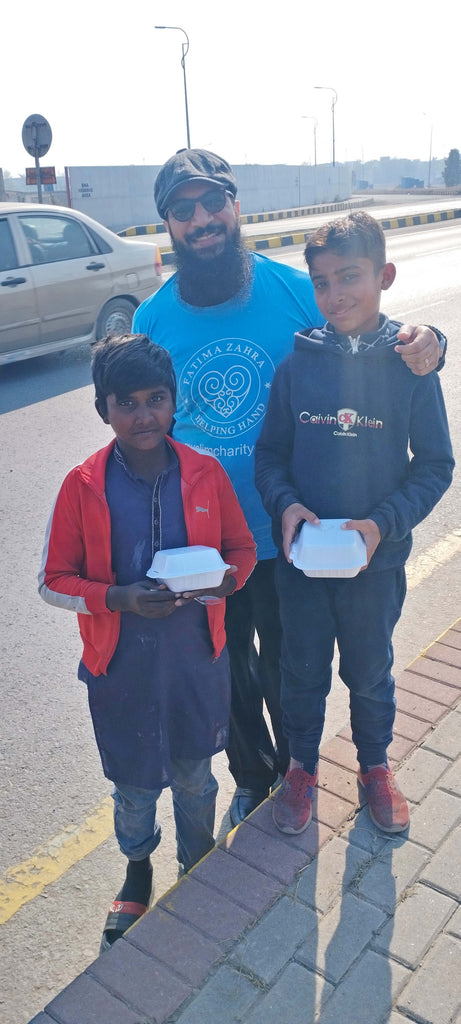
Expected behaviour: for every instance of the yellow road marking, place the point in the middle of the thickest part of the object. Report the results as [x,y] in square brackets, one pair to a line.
[21,884]
[24,882]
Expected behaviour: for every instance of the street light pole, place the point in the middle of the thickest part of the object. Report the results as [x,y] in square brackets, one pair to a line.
[185,50]
[330,89]
[309,117]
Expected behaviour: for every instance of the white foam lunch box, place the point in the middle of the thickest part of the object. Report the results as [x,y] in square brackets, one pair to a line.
[192,568]
[326,550]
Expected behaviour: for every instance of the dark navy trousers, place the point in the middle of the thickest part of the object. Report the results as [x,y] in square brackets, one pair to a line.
[360,614]
[255,676]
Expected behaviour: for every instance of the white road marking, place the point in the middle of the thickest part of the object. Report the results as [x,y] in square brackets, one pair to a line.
[425,564]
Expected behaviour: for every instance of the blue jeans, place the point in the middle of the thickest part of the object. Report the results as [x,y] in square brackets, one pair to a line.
[194,790]
[360,613]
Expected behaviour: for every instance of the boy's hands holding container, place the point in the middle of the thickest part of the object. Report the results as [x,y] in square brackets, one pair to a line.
[370,533]
[292,517]
[144,598]
[225,589]
[154,601]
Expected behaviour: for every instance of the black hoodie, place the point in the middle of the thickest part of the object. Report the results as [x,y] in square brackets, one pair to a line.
[337,432]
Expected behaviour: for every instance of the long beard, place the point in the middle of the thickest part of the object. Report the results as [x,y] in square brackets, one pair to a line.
[209,281]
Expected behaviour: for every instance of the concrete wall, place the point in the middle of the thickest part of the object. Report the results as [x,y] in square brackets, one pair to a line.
[120,197]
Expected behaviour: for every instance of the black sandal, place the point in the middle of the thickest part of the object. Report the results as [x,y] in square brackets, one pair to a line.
[122,914]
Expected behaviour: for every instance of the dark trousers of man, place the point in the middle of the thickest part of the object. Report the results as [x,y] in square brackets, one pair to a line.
[253,761]
[360,613]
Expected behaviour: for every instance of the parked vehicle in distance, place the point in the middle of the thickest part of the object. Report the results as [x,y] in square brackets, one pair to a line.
[65,279]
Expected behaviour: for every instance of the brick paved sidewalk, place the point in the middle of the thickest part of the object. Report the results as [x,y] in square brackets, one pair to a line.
[341,924]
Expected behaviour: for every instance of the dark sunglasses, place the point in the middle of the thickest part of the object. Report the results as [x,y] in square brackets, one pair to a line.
[213,202]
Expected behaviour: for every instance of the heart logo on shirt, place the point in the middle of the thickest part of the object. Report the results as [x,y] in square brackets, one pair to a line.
[225,391]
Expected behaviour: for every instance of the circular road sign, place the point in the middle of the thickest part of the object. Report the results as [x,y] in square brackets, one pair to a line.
[36,135]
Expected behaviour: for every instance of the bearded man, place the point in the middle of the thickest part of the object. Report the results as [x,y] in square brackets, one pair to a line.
[228,317]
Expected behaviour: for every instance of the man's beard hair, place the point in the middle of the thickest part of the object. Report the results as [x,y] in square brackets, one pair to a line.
[208,281]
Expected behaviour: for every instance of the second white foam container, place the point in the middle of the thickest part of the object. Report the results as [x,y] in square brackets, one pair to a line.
[326,550]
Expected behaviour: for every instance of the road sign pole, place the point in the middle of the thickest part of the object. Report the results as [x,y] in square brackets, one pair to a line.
[39,180]
[36,138]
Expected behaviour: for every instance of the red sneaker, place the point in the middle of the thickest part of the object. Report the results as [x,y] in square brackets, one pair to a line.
[386,803]
[292,809]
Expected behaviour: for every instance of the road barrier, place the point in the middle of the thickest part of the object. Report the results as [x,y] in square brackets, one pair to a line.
[300,237]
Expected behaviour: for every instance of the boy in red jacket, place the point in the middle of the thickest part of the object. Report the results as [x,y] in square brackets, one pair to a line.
[154,662]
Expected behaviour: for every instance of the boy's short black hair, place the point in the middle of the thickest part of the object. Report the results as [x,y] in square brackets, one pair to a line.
[358,234]
[124,363]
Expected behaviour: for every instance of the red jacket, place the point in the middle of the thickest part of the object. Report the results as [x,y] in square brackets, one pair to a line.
[76,569]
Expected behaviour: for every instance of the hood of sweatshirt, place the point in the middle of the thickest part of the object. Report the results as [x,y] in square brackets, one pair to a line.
[385,337]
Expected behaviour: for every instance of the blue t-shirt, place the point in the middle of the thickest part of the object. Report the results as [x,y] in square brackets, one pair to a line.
[225,357]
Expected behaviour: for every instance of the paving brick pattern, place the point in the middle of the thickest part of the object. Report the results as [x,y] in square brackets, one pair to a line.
[342,923]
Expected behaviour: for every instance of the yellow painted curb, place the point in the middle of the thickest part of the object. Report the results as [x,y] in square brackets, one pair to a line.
[21,884]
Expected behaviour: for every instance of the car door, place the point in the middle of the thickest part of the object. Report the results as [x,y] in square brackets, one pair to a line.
[73,280]
[19,315]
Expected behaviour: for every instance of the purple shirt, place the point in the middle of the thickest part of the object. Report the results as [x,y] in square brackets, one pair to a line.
[164,696]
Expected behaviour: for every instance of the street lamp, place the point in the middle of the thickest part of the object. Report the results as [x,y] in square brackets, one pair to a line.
[185,50]
[309,117]
[330,89]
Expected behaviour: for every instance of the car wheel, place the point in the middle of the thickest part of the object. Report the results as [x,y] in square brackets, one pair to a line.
[115,318]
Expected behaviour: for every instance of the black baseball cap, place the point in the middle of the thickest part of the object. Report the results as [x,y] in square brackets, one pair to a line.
[191,165]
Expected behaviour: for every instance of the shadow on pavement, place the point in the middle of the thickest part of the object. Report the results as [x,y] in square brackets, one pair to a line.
[355,934]
[35,380]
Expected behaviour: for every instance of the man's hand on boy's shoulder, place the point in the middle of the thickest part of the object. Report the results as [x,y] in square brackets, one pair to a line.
[293,516]
[420,348]
[144,598]
[370,534]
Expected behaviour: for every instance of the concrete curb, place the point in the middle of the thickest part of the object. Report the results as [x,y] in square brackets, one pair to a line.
[267,926]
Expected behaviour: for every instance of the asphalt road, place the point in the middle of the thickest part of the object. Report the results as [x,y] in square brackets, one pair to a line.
[379,206]
[51,781]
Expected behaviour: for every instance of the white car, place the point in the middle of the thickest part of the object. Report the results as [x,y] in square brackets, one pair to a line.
[65,279]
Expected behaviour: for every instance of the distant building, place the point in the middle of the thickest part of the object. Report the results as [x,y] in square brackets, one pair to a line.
[389,172]
[15,190]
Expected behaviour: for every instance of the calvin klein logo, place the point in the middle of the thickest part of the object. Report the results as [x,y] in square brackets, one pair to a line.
[347,418]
